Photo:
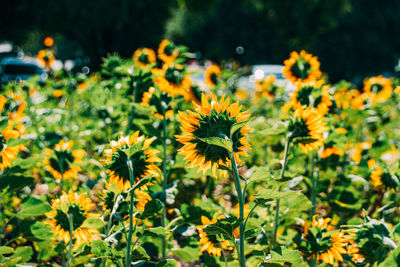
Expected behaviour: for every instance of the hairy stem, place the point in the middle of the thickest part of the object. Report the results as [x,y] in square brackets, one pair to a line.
[71,225]
[131,194]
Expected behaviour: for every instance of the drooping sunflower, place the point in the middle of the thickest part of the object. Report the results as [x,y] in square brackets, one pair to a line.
[150,98]
[62,161]
[144,57]
[378,88]
[308,124]
[302,67]
[7,152]
[320,238]
[353,98]
[46,57]
[381,177]
[213,119]
[79,207]
[210,243]
[136,149]
[167,51]
[314,94]
[212,75]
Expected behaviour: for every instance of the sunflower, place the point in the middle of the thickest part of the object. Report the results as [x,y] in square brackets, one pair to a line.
[266,87]
[144,57]
[308,124]
[48,41]
[378,88]
[12,105]
[62,160]
[79,207]
[173,80]
[212,75]
[210,243]
[301,67]
[149,99]
[45,57]
[8,153]
[380,177]
[136,149]
[314,94]
[213,119]
[320,238]
[329,151]
[167,51]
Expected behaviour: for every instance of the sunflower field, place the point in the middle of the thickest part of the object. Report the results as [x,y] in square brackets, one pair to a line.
[138,165]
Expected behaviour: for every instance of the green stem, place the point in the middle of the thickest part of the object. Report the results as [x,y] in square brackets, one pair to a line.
[225,259]
[131,194]
[314,261]
[164,185]
[314,185]
[71,225]
[242,260]
[278,202]
[131,114]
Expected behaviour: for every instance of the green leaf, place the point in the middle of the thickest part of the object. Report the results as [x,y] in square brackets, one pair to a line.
[6,250]
[91,223]
[141,183]
[237,126]
[224,226]
[304,140]
[217,141]
[16,142]
[187,253]
[284,256]
[156,231]
[270,194]
[296,203]
[22,254]
[15,182]
[250,233]
[260,175]
[99,248]
[139,254]
[393,259]
[33,207]
[272,131]
[41,231]
[152,208]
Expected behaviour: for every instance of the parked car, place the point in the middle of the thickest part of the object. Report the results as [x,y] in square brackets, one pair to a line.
[20,69]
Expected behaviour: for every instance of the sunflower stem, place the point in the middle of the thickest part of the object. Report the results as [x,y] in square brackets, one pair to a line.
[164,185]
[242,260]
[314,185]
[132,194]
[278,202]
[314,261]
[131,113]
[71,225]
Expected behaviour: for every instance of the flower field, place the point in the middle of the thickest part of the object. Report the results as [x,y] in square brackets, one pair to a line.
[138,164]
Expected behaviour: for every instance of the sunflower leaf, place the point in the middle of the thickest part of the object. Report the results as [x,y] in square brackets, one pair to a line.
[152,208]
[224,226]
[282,256]
[139,184]
[237,126]
[304,140]
[33,207]
[270,194]
[217,141]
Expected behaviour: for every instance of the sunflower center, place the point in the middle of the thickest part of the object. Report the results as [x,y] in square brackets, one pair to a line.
[78,217]
[214,78]
[62,161]
[174,75]
[144,58]
[376,88]
[216,125]
[301,68]
[298,128]
[169,49]
[3,144]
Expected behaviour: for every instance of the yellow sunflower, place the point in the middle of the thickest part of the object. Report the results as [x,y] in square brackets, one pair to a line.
[266,87]
[173,80]
[62,160]
[329,151]
[212,75]
[301,67]
[313,93]
[376,176]
[308,124]
[167,51]
[8,153]
[331,245]
[210,243]
[45,57]
[213,119]
[12,105]
[378,88]
[134,148]
[79,207]
[144,57]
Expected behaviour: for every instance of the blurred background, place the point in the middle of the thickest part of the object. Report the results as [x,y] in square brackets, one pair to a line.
[352,38]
